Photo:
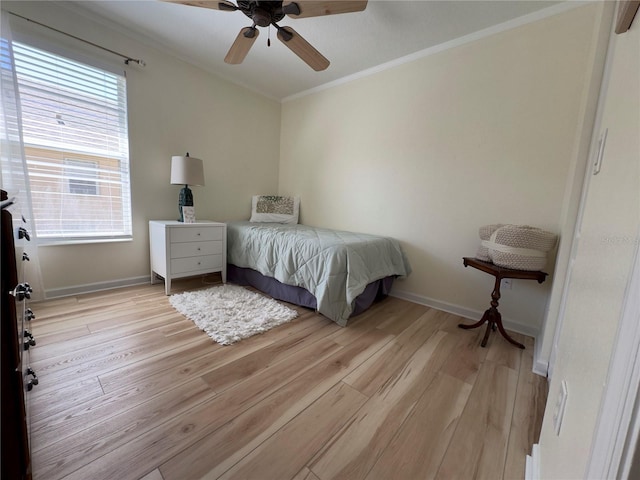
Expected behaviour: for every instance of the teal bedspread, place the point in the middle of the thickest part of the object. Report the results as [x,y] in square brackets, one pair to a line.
[335,266]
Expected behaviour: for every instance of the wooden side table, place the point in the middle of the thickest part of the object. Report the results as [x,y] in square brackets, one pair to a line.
[492,315]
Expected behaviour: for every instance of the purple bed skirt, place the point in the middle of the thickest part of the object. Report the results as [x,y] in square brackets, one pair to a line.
[301,296]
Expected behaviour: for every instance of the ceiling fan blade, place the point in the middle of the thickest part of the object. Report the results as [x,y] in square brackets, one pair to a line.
[223,5]
[310,8]
[302,48]
[241,45]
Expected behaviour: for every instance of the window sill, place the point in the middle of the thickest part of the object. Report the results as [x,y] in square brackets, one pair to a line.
[45,242]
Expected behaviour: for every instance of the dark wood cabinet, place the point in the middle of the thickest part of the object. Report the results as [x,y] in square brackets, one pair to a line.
[16,459]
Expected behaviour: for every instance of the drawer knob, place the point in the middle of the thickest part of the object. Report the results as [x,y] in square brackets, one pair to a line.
[33,381]
[23,233]
[29,341]
[29,315]
[22,291]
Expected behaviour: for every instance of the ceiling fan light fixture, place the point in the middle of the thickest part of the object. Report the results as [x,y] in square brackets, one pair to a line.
[265,13]
[261,17]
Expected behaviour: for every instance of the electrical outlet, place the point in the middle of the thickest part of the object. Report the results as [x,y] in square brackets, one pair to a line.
[507,283]
[559,407]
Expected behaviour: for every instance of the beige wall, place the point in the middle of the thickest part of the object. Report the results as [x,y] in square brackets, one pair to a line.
[430,150]
[174,107]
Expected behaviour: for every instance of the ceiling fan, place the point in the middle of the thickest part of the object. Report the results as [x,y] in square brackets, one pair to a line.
[266,13]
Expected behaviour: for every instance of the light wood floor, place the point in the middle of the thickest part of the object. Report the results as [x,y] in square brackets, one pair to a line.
[130,389]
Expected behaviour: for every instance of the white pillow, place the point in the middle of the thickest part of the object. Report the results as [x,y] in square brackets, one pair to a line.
[274,208]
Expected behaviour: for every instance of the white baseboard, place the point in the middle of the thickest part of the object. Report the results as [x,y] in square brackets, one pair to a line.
[532,464]
[95,287]
[540,365]
[474,315]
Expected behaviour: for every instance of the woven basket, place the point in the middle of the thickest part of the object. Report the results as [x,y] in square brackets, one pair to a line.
[485,233]
[519,247]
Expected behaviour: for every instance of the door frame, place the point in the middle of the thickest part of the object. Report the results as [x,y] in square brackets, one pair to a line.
[616,432]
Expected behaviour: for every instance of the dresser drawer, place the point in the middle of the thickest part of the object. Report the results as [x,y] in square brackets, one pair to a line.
[196,234]
[195,249]
[195,264]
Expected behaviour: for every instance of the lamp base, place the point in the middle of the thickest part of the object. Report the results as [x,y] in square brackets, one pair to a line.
[184,200]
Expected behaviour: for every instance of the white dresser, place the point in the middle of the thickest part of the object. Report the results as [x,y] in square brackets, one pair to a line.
[187,249]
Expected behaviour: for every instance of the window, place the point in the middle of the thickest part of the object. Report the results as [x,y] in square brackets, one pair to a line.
[81,176]
[74,125]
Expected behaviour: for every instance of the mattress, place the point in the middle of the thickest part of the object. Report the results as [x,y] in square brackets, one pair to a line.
[334,266]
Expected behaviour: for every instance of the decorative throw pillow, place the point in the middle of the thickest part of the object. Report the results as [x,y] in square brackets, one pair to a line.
[274,208]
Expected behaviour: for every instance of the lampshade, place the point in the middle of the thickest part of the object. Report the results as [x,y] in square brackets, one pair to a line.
[186,171]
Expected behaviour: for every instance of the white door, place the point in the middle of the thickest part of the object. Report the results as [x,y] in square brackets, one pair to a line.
[597,291]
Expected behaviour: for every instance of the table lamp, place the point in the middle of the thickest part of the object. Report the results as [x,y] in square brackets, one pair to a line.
[186,171]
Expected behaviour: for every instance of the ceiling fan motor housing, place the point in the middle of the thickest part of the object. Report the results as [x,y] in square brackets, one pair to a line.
[263,13]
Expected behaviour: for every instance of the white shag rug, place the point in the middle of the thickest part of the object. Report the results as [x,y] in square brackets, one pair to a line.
[230,313]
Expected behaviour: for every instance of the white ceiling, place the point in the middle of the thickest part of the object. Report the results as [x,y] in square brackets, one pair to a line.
[353,42]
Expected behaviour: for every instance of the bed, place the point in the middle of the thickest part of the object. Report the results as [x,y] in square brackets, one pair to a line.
[337,273]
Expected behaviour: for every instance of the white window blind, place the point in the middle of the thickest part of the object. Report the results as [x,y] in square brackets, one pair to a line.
[74,125]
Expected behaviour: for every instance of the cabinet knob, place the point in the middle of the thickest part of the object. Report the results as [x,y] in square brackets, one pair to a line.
[23,233]
[33,381]
[29,341]
[25,256]
[22,291]
[29,315]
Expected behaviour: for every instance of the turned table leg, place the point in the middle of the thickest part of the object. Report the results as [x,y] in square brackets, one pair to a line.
[493,318]
[507,337]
